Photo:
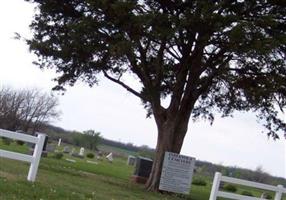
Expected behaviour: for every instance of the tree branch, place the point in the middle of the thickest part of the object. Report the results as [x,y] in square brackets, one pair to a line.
[129,89]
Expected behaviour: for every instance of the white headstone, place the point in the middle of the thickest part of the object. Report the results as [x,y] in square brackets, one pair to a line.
[131,160]
[177,173]
[59,142]
[109,157]
[72,151]
[81,151]
[66,149]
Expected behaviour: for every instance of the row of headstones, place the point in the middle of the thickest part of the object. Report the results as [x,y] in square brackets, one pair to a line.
[66,149]
[81,153]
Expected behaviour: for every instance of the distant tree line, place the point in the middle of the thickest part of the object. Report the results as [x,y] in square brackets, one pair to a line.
[26,109]
[89,139]
[258,175]
[73,137]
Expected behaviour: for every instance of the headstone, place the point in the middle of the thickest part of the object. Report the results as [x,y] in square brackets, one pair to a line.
[32,145]
[177,173]
[109,157]
[81,151]
[66,149]
[131,160]
[45,152]
[50,148]
[45,143]
[72,151]
[98,157]
[59,142]
[100,153]
[142,171]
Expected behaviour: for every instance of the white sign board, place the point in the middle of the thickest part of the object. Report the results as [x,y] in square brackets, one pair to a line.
[177,173]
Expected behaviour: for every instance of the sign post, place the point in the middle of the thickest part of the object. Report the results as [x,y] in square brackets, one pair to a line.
[177,173]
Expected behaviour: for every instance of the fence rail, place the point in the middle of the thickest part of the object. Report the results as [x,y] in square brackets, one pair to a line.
[34,160]
[279,190]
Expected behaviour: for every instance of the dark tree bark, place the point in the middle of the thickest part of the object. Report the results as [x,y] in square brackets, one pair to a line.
[171,133]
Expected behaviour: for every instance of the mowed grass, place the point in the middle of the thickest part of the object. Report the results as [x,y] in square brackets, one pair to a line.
[64,180]
[60,179]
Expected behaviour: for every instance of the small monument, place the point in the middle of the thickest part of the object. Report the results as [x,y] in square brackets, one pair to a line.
[142,169]
[66,149]
[45,152]
[131,160]
[59,142]
[81,152]
[50,148]
[109,157]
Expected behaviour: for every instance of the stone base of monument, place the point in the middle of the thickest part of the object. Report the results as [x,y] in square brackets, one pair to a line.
[77,155]
[139,179]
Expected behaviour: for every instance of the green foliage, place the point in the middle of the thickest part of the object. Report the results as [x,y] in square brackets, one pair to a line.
[199,182]
[230,55]
[267,196]
[230,188]
[88,139]
[90,155]
[247,193]
[6,141]
[58,155]
[146,153]
[20,142]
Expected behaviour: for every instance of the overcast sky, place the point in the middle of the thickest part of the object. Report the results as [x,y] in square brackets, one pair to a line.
[120,116]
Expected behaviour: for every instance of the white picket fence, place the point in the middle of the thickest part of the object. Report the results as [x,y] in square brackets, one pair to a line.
[34,159]
[279,190]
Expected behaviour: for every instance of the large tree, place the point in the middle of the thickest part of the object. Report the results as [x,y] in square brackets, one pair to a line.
[201,56]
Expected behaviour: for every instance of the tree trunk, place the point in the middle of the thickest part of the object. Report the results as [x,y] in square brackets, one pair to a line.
[170,138]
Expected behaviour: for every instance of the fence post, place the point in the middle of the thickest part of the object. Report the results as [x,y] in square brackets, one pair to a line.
[36,157]
[215,186]
[278,194]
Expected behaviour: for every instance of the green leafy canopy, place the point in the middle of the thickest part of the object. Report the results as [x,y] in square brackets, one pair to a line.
[205,56]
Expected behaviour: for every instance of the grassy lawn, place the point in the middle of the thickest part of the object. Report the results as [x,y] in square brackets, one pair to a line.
[64,180]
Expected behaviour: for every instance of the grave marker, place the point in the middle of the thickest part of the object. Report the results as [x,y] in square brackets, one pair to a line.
[81,151]
[131,160]
[142,169]
[66,149]
[59,142]
[109,157]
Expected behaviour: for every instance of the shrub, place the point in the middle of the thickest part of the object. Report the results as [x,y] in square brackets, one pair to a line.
[58,155]
[20,142]
[199,181]
[267,196]
[6,141]
[230,188]
[90,155]
[246,193]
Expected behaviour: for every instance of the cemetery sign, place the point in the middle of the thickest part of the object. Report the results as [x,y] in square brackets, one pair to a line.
[177,173]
